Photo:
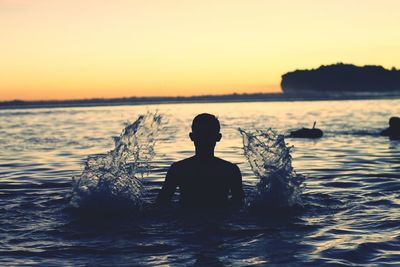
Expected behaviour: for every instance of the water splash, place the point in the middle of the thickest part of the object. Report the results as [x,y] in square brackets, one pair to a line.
[271,162]
[111,180]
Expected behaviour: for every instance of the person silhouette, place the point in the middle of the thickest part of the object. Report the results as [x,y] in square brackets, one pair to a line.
[204,181]
[394,128]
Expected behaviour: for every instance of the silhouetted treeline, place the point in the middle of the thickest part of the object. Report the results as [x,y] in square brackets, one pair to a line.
[140,100]
[342,78]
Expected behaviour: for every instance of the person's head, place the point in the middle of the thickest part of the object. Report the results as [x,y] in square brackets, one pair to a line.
[394,122]
[205,132]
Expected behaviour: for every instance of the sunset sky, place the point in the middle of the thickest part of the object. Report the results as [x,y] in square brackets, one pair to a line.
[55,49]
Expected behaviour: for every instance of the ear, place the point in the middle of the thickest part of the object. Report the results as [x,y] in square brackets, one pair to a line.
[191,136]
[219,137]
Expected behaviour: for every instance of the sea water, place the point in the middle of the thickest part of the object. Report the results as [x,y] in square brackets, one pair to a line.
[109,181]
[345,186]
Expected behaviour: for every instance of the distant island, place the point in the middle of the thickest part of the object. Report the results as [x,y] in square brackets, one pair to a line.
[342,78]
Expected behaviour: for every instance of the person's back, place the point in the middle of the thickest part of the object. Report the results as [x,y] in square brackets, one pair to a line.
[204,180]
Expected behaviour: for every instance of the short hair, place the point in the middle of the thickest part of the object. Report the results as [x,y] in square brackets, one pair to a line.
[394,122]
[206,122]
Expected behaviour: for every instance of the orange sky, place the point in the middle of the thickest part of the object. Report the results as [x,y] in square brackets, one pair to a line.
[55,49]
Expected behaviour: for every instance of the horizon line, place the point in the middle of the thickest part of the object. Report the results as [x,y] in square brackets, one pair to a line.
[140,97]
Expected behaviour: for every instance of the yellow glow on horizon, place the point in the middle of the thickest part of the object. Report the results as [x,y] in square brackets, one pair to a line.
[86,49]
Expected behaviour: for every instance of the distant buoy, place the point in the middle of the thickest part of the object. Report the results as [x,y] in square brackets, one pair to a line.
[307,132]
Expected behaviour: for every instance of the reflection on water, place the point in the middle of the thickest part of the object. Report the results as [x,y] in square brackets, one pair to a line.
[351,199]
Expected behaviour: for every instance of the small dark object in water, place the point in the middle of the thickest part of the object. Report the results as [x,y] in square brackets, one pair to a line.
[307,133]
[394,128]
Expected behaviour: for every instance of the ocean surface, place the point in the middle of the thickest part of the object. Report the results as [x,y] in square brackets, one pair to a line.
[349,213]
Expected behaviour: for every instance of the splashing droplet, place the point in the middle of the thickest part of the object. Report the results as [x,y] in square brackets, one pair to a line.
[110,181]
[269,157]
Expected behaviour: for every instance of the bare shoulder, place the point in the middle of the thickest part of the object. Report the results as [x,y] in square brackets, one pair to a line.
[182,163]
[228,165]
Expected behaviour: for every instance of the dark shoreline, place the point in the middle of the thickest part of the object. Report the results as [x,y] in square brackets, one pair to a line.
[273,97]
[342,78]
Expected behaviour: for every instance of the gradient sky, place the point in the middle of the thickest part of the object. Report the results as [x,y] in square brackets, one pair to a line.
[54,49]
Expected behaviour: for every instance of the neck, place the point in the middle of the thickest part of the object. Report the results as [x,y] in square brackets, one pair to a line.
[204,154]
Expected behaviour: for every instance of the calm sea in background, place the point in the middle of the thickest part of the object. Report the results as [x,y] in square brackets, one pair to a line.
[350,217]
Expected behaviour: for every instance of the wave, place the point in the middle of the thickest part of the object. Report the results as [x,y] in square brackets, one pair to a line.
[46,185]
